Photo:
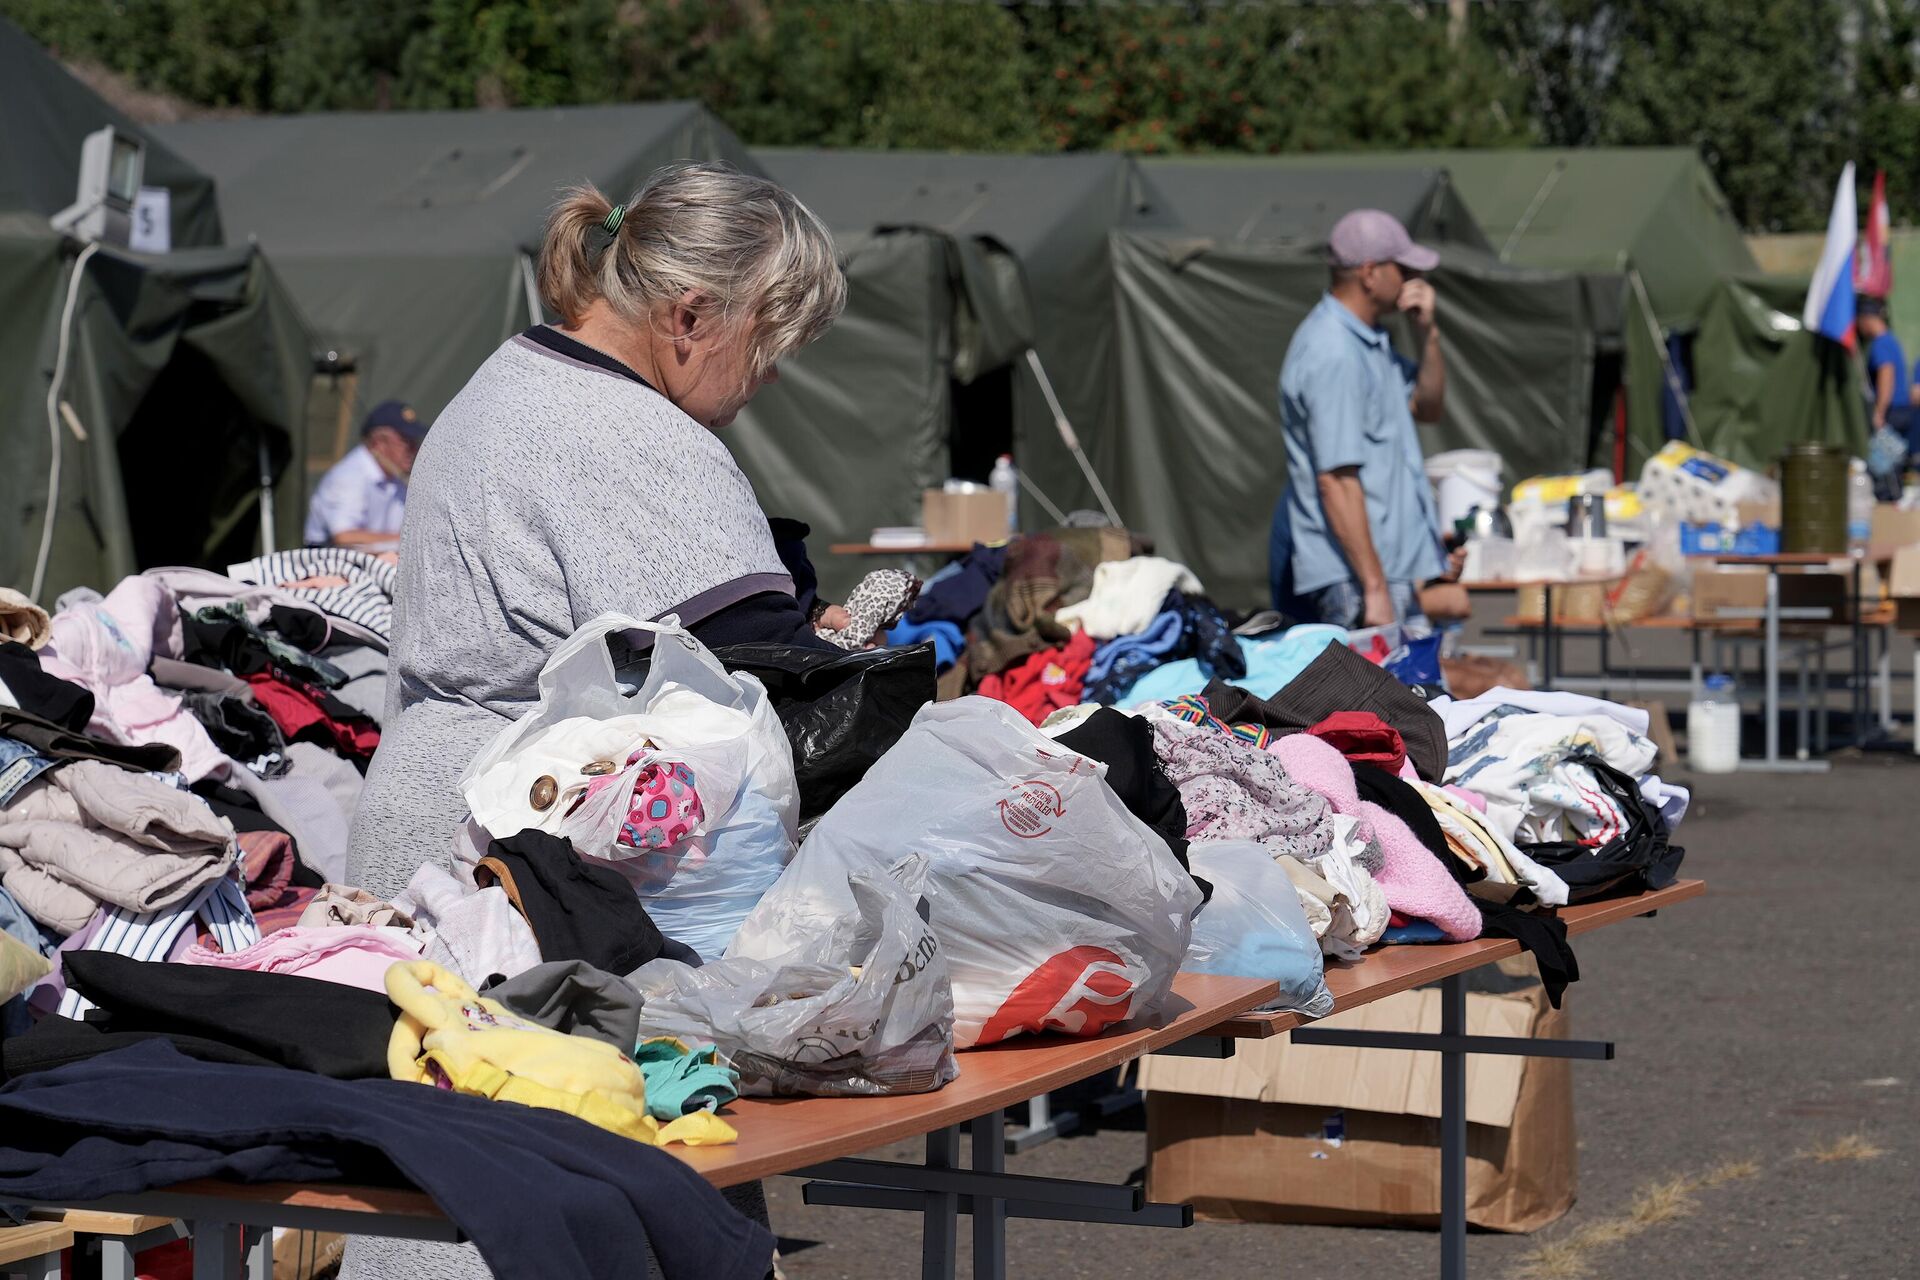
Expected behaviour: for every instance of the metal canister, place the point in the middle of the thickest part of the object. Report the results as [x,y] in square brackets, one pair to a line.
[1587,515]
[1813,499]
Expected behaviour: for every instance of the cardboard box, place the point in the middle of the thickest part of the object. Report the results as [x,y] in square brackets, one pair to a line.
[1893,527]
[1313,1133]
[1903,587]
[1660,730]
[963,517]
[1745,587]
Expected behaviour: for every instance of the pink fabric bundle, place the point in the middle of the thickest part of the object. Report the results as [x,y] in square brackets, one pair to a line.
[1414,882]
[351,955]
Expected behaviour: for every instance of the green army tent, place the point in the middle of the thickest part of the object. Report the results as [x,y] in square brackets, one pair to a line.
[858,423]
[1235,200]
[1026,266]
[1205,313]
[407,237]
[1657,245]
[48,112]
[180,376]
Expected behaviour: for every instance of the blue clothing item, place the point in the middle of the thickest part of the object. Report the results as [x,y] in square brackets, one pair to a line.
[1885,350]
[14,921]
[19,765]
[1272,663]
[1120,662]
[957,596]
[1344,403]
[539,1192]
[1343,603]
[1413,931]
[681,1081]
[1210,636]
[946,637]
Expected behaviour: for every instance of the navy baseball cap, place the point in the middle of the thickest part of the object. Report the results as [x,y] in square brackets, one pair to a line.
[399,416]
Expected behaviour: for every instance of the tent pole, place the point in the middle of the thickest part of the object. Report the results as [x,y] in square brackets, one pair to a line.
[266,498]
[1547,185]
[1072,441]
[1666,362]
[53,418]
[531,289]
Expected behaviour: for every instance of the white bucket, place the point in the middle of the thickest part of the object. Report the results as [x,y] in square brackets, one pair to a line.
[1463,479]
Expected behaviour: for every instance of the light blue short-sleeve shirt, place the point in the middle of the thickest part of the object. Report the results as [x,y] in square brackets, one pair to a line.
[355,494]
[1343,403]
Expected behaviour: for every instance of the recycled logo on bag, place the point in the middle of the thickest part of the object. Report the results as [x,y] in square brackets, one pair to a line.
[1082,992]
[1034,808]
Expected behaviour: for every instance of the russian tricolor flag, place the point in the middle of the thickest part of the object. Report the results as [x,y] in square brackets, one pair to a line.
[1829,310]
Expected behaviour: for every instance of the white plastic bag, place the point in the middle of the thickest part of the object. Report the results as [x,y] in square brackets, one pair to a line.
[690,710]
[1253,926]
[1056,908]
[865,1008]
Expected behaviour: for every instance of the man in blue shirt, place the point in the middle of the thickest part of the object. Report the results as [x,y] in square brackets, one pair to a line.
[1360,510]
[360,501]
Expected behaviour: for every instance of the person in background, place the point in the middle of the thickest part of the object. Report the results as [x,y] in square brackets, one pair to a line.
[1886,366]
[1890,413]
[361,499]
[1362,532]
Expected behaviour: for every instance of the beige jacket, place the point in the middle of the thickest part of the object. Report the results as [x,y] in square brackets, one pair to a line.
[90,833]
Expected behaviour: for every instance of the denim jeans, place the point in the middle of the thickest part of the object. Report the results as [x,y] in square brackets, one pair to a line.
[1343,604]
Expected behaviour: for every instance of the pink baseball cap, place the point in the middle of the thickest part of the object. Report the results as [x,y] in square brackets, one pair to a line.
[1374,235]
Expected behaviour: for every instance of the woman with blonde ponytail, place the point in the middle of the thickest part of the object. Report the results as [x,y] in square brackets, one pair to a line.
[578,473]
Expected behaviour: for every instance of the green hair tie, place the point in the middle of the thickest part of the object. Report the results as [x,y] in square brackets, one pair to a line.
[612,225]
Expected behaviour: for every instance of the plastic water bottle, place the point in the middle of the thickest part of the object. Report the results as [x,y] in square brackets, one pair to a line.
[1005,479]
[1859,507]
[1713,727]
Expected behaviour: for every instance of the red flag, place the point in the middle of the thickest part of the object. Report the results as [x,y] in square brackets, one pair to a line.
[1873,265]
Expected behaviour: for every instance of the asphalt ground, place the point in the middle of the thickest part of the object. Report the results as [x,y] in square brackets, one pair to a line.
[1769,1044]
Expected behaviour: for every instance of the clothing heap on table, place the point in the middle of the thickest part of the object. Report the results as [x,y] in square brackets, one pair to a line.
[181,960]
[687,873]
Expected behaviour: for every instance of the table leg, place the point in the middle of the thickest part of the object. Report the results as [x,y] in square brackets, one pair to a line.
[44,1267]
[1547,641]
[1772,659]
[989,1212]
[116,1259]
[1802,746]
[217,1247]
[940,1232]
[259,1253]
[1859,663]
[1453,1132]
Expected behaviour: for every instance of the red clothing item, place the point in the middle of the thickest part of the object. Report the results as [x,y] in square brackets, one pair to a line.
[313,715]
[267,858]
[1363,737]
[1045,682]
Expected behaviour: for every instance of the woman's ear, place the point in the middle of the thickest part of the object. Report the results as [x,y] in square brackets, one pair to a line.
[685,321]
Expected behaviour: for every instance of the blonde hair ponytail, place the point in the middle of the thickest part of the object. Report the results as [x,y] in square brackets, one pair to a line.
[763,263]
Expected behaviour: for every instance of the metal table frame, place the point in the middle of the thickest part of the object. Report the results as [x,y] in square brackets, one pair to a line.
[1453,1045]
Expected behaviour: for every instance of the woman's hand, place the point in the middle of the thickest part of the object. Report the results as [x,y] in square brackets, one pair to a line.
[833,618]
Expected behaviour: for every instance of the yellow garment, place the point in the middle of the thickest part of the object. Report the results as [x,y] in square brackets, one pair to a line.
[448,1033]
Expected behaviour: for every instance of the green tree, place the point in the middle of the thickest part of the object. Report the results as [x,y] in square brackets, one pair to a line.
[840,73]
[1266,78]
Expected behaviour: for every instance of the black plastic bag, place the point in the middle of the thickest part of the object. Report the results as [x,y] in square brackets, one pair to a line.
[841,711]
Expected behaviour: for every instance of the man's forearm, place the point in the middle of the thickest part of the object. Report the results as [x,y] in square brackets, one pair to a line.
[361,538]
[1430,387]
[1345,503]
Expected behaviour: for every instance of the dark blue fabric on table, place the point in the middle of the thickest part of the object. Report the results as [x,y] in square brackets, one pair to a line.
[541,1194]
[957,598]
[1212,640]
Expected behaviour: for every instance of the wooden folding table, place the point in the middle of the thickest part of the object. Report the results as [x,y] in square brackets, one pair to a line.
[813,1138]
